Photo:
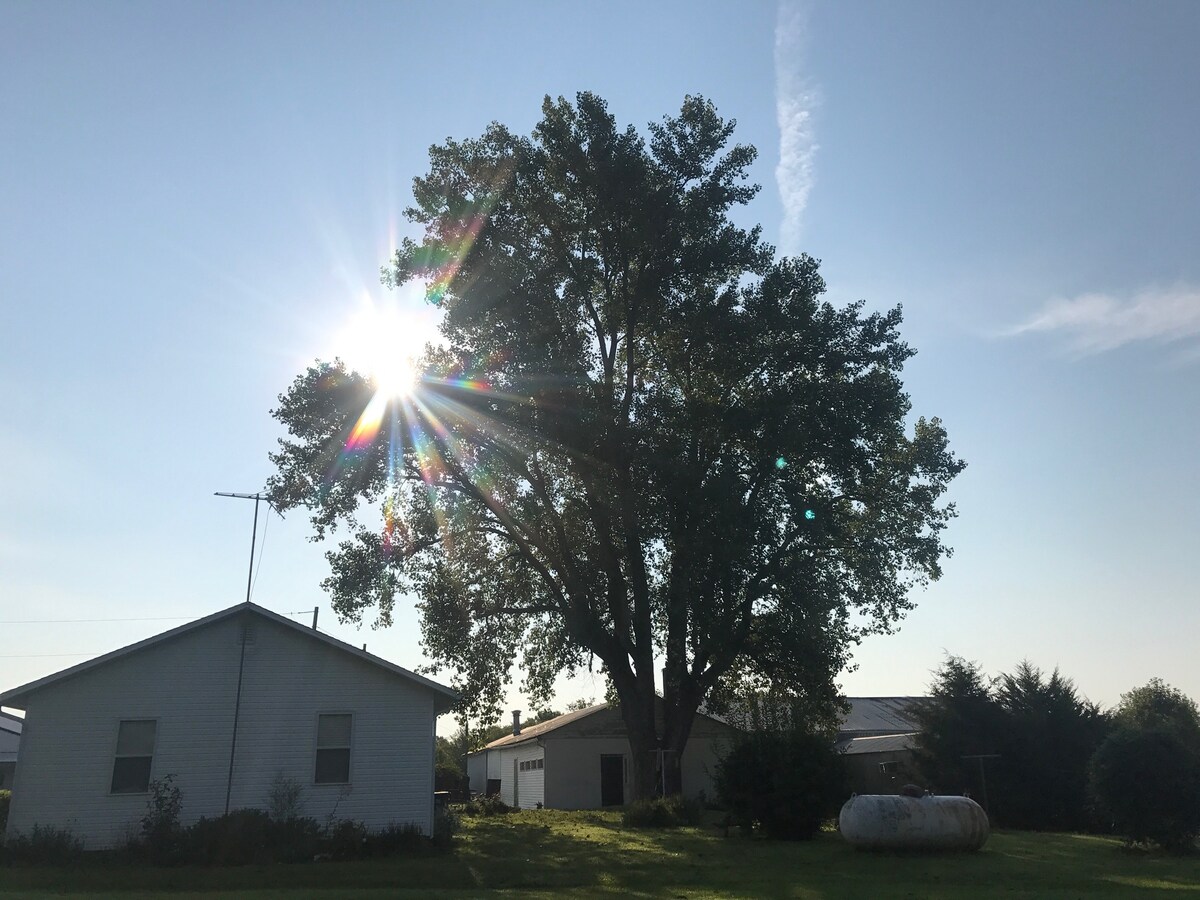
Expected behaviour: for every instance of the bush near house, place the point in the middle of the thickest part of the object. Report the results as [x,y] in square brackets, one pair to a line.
[786,783]
[240,838]
[5,800]
[663,812]
[43,846]
[486,806]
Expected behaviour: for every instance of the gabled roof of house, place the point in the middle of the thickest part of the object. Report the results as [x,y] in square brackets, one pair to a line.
[10,723]
[529,732]
[880,715]
[15,697]
[532,732]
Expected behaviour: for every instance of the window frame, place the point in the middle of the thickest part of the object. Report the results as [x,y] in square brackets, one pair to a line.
[117,755]
[317,748]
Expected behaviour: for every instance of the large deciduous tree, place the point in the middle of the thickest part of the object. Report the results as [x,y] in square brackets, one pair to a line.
[644,442]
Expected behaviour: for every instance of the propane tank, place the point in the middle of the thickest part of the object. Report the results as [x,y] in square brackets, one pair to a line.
[890,822]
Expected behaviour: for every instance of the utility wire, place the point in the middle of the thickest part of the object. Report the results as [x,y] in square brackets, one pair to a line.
[69,621]
[262,547]
[299,612]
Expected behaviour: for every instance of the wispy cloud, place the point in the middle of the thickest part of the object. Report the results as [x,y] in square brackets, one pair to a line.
[795,100]
[1094,323]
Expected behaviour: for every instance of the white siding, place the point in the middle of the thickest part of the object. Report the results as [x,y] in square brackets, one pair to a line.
[493,764]
[189,685]
[530,783]
[504,763]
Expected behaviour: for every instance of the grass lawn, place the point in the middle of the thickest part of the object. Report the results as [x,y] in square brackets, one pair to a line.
[547,854]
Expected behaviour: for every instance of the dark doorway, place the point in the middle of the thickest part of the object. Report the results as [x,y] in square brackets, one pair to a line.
[612,779]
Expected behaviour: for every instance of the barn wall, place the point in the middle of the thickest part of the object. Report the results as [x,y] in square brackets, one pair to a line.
[700,765]
[865,776]
[572,774]
[477,765]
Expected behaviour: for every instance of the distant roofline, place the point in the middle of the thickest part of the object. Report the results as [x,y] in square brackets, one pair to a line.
[532,732]
[15,697]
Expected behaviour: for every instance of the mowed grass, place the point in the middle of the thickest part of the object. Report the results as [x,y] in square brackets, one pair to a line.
[545,854]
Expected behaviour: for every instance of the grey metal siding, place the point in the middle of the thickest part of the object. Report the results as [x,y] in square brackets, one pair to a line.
[573,770]
[477,771]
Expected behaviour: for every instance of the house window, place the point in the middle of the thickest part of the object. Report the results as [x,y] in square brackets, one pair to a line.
[333,749]
[134,756]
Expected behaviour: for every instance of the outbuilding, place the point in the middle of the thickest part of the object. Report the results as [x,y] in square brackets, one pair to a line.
[878,736]
[228,705]
[581,760]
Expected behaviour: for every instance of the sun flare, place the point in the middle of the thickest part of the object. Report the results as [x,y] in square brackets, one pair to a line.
[384,342]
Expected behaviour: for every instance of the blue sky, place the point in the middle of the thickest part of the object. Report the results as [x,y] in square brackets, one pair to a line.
[195,201]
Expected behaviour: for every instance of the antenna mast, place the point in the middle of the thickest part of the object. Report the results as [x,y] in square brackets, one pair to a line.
[257,498]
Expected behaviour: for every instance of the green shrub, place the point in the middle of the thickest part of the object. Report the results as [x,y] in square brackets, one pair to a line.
[785,783]
[5,801]
[1147,783]
[663,812]
[345,839]
[486,806]
[45,845]
[285,798]
[249,837]
[396,840]
[162,836]
[446,824]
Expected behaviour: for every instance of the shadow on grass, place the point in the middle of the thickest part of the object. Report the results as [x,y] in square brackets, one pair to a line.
[551,854]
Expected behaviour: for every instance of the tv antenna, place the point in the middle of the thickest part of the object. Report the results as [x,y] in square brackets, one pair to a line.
[257,497]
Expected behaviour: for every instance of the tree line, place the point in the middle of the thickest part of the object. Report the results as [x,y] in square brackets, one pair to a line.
[1042,756]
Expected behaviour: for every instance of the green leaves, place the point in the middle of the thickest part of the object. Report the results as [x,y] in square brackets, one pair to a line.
[646,440]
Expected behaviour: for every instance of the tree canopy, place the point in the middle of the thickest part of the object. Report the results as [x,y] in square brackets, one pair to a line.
[1145,778]
[1158,705]
[645,441]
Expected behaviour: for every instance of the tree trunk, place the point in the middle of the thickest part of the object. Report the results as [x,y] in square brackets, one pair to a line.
[678,719]
[643,760]
[672,774]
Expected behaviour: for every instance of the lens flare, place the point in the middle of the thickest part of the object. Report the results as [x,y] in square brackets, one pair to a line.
[428,424]
[384,341]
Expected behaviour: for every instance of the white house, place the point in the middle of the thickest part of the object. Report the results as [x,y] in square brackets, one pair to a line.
[581,760]
[10,742]
[226,704]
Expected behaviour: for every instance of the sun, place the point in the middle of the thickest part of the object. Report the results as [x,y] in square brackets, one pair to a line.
[384,342]
[395,376]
